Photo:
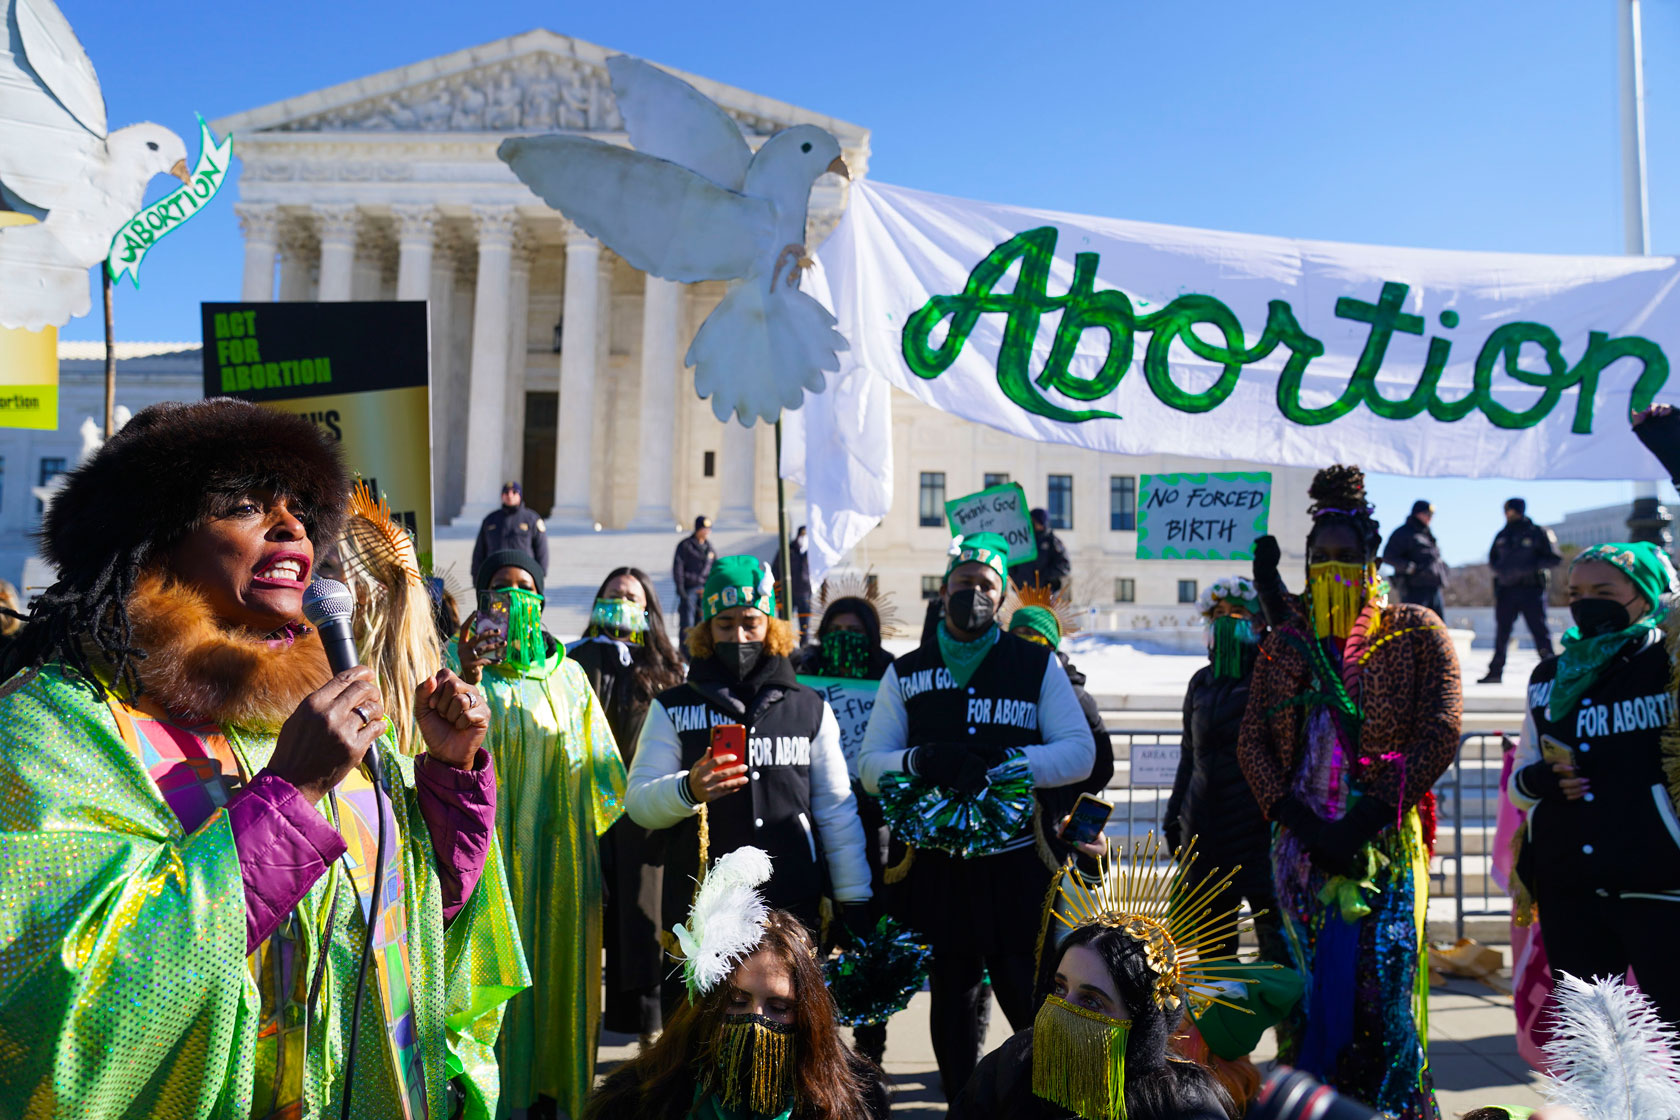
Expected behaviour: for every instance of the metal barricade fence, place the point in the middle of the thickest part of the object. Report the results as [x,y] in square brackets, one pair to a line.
[1466,799]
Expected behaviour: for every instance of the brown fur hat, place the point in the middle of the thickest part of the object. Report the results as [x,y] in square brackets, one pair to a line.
[164,472]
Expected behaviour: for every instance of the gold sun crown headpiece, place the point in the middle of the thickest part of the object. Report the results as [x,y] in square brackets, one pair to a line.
[859,585]
[1153,899]
[376,543]
[1038,594]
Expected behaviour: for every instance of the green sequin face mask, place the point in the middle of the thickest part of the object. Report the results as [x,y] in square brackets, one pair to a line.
[623,619]
[845,653]
[1228,637]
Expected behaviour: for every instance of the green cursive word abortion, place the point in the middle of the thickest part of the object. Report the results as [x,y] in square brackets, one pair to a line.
[1084,308]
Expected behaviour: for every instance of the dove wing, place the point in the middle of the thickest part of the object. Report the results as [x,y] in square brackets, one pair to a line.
[56,55]
[660,217]
[671,120]
[44,148]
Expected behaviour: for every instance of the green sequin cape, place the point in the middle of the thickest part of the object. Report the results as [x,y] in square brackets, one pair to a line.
[560,787]
[125,989]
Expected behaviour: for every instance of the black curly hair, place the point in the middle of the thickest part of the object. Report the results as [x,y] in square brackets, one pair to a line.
[168,471]
[1338,495]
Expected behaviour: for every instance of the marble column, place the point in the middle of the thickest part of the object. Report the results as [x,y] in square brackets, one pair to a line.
[261,226]
[338,224]
[519,326]
[416,229]
[738,476]
[655,464]
[297,264]
[441,293]
[574,455]
[486,401]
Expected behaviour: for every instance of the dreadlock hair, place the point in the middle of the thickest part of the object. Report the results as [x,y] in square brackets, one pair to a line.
[173,468]
[1338,495]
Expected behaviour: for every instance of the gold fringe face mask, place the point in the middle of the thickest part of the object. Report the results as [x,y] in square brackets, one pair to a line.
[1079,1059]
[750,1065]
[1338,593]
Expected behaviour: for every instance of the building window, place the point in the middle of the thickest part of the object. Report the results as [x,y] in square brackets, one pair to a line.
[51,467]
[708,464]
[931,501]
[1122,503]
[1061,501]
[1187,591]
[995,480]
[1125,591]
[931,586]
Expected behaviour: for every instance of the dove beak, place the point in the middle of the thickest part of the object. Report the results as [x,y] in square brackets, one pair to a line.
[180,171]
[838,167]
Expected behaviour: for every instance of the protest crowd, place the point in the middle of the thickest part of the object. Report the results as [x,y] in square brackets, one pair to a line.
[658,829]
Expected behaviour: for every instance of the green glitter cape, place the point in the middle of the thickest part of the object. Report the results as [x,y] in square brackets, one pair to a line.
[125,989]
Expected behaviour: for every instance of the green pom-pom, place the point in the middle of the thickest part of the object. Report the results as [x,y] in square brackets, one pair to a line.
[874,979]
[927,816]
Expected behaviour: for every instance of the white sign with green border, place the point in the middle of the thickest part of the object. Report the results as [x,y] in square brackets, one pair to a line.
[1207,516]
[1000,509]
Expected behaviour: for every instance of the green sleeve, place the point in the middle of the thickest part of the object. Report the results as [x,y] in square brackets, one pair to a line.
[124,989]
[484,963]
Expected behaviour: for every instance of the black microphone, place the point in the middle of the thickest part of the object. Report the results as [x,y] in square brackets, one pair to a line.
[329,606]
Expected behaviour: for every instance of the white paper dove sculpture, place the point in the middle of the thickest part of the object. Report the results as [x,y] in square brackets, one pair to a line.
[60,165]
[693,202]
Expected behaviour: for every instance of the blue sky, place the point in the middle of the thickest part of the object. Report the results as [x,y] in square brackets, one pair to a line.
[1475,124]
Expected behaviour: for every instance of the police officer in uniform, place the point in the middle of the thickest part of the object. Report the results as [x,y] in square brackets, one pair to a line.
[512,526]
[1522,558]
[948,712]
[791,795]
[1601,856]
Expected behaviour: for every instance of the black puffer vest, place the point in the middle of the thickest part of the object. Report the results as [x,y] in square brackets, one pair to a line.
[773,812]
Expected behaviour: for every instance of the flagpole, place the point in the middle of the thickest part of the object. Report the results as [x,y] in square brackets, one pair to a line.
[1648,520]
[110,354]
[782,530]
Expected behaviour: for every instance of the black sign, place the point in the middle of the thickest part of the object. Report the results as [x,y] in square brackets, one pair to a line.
[277,351]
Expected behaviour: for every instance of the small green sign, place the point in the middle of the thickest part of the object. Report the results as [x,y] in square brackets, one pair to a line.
[998,509]
[137,235]
[1214,516]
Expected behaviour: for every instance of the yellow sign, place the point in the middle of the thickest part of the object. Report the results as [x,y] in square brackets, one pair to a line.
[28,367]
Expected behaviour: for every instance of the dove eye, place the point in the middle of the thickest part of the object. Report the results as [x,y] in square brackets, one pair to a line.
[805,147]
[152,144]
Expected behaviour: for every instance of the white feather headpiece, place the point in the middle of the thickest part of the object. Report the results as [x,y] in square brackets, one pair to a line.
[1612,1056]
[726,922]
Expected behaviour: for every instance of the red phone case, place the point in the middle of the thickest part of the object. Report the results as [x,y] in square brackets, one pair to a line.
[729,742]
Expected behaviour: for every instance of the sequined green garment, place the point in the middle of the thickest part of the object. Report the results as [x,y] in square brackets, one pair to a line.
[125,989]
[560,786]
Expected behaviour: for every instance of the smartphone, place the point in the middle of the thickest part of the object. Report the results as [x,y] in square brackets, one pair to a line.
[1553,751]
[493,608]
[729,743]
[1085,824]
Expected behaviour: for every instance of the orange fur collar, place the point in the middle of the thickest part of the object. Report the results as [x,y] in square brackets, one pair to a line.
[196,669]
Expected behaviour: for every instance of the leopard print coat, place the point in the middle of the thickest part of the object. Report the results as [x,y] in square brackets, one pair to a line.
[1409,691]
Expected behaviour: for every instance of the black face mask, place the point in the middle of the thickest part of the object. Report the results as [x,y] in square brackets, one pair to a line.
[1596,617]
[739,658]
[970,610]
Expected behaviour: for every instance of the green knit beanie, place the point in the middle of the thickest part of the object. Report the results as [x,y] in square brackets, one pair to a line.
[989,549]
[738,581]
[1040,620]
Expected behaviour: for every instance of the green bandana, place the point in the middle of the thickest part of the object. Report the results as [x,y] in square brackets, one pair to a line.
[1041,621]
[738,581]
[989,549]
[1582,658]
[963,659]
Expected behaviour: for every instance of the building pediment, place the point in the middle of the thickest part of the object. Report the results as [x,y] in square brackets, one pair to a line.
[535,82]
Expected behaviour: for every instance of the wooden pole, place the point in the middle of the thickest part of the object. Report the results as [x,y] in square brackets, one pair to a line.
[782,531]
[110,355]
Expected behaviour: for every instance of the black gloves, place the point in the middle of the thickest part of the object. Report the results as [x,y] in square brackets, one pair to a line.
[1171,833]
[1297,818]
[1660,433]
[854,918]
[1338,847]
[1539,781]
[1267,582]
[953,766]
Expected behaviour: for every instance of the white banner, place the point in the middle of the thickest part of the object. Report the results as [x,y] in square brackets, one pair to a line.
[1146,339]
